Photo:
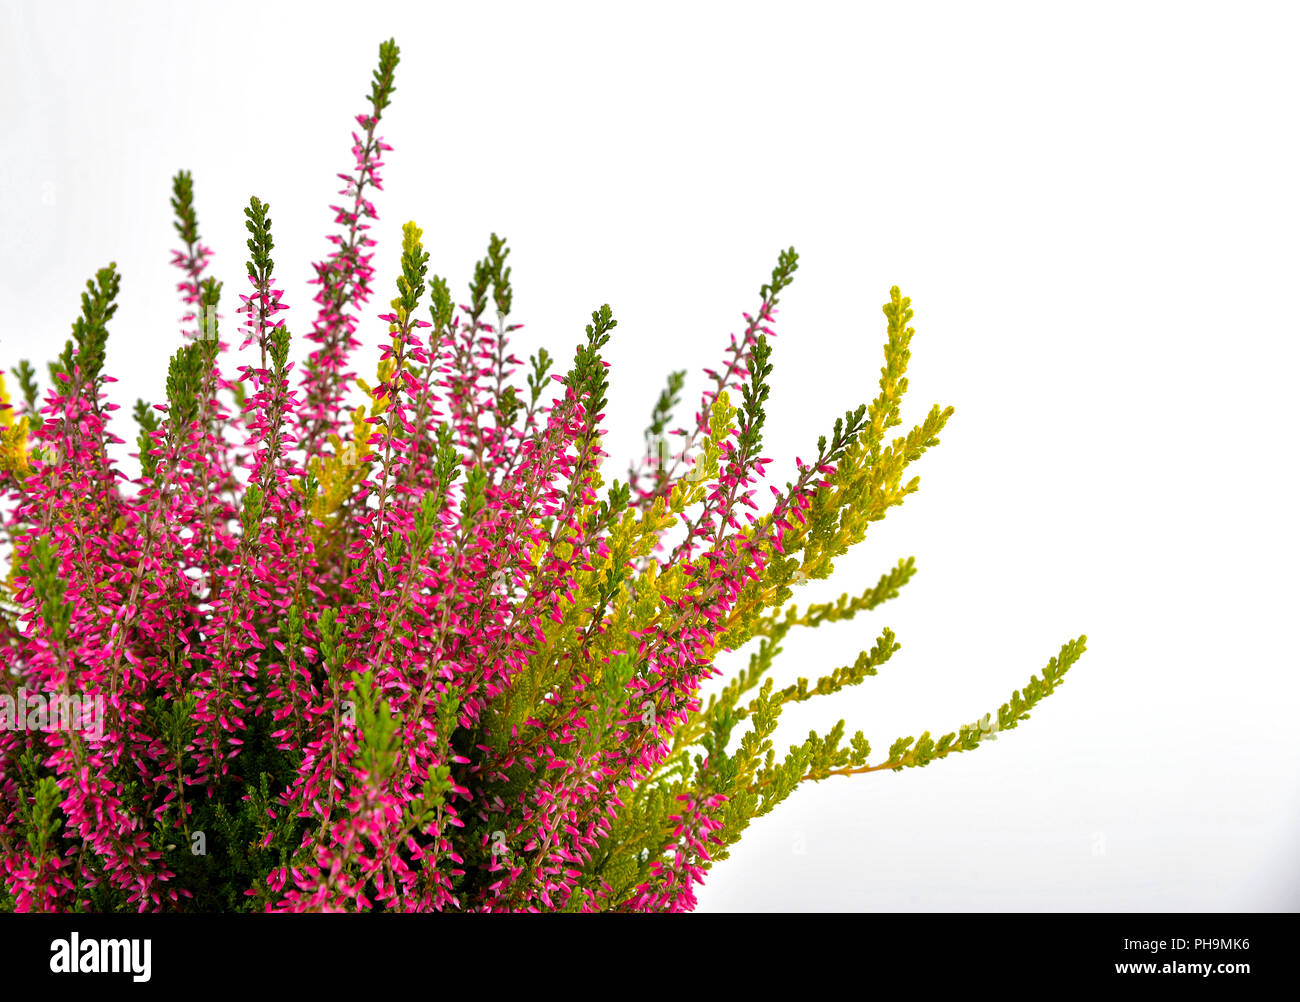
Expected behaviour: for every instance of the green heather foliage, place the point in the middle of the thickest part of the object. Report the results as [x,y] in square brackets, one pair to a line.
[417,654]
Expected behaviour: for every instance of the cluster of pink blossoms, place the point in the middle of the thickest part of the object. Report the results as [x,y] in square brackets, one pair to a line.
[227,607]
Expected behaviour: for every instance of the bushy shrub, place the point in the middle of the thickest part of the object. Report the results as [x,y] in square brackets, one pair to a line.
[415,655]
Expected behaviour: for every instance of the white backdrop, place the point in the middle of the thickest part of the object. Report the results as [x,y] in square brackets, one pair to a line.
[1094,210]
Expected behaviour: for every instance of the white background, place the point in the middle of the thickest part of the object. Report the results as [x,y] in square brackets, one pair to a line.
[1094,209]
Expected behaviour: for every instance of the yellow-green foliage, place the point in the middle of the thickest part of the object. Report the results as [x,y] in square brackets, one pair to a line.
[337,476]
[14,452]
[727,746]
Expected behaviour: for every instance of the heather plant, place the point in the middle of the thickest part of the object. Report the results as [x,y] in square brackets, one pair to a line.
[396,644]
